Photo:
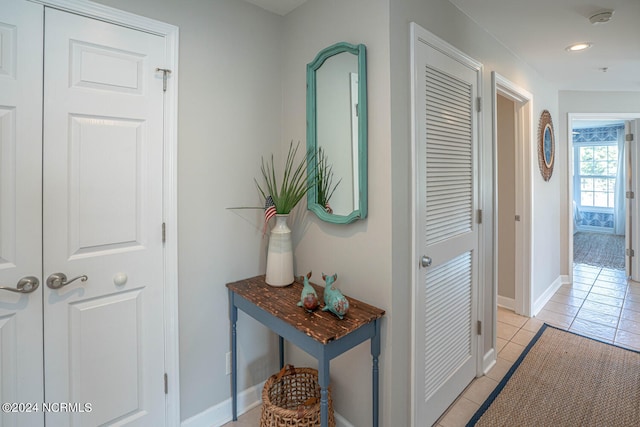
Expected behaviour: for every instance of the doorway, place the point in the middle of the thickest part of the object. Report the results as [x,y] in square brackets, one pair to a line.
[598,202]
[602,187]
[506,195]
[512,120]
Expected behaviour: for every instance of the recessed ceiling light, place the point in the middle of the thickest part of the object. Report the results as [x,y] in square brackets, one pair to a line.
[578,46]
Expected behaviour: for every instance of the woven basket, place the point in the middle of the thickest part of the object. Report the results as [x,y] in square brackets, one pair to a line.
[292,398]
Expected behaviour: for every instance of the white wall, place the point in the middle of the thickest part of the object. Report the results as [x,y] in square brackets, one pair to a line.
[359,252]
[593,103]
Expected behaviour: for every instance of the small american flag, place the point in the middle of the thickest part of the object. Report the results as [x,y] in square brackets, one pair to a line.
[269,212]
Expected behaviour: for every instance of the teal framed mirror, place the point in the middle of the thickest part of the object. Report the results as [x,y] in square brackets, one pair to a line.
[337,133]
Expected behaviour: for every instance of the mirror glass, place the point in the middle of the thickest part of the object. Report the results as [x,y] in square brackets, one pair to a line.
[337,133]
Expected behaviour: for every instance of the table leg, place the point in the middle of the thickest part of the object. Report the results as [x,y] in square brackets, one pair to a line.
[233,316]
[375,352]
[281,349]
[323,379]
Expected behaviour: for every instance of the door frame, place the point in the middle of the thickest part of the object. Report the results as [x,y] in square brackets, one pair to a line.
[635,162]
[522,99]
[170,33]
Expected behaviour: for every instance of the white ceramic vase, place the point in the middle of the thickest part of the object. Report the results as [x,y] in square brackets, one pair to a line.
[280,254]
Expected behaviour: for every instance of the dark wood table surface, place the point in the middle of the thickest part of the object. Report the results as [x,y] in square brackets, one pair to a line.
[322,326]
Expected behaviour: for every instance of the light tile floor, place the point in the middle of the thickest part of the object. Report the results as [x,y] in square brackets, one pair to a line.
[600,304]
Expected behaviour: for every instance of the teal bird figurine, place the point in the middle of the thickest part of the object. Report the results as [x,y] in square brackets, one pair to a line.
[334,301]
[308,296]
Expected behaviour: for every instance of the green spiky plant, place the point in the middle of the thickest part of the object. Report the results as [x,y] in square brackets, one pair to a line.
[324,180]
[295,183]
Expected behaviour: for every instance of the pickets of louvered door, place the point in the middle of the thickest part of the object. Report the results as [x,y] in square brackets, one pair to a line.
[445,123]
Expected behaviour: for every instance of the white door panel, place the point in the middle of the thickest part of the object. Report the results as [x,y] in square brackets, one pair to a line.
[90,320]
[20,207]
[106,68]
[445,125]
[103,219]
[105,214]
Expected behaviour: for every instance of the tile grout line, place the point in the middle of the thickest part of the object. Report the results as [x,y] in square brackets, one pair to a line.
[585,299]
[617,329]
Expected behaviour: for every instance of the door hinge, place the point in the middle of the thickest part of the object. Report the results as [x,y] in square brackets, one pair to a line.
[165,72]
[164,232]
[479,327]
[166,384]
[628,137]
[479,216]
[630,195]
[629,252]
[478,104]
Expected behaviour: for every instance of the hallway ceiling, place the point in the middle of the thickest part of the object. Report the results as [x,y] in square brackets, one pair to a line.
[539,31]
[281,7]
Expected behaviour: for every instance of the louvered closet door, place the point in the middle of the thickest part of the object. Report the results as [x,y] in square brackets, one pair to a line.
[446,350]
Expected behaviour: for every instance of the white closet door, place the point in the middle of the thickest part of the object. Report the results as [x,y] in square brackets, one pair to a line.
[103,147]
[20,208]
[447,236]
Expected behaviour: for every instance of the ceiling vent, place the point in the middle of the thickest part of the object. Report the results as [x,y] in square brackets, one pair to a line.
[601,17]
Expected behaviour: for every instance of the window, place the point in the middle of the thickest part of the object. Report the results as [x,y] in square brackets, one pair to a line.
[597,168]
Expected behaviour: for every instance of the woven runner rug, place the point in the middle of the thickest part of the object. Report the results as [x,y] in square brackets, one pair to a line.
[599,249]
[563,380]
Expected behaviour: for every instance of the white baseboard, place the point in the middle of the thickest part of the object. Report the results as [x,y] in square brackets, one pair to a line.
[220,414]
[341,421]
[508,303]
[546,296]
[488,361]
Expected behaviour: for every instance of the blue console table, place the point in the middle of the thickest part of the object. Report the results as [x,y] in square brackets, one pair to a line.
[320,333]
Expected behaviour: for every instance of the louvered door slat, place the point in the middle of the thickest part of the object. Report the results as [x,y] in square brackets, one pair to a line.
[453,188]
[450,86]
[443,176]
[442,136]
[447,338]
[447,103]
[453,210]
